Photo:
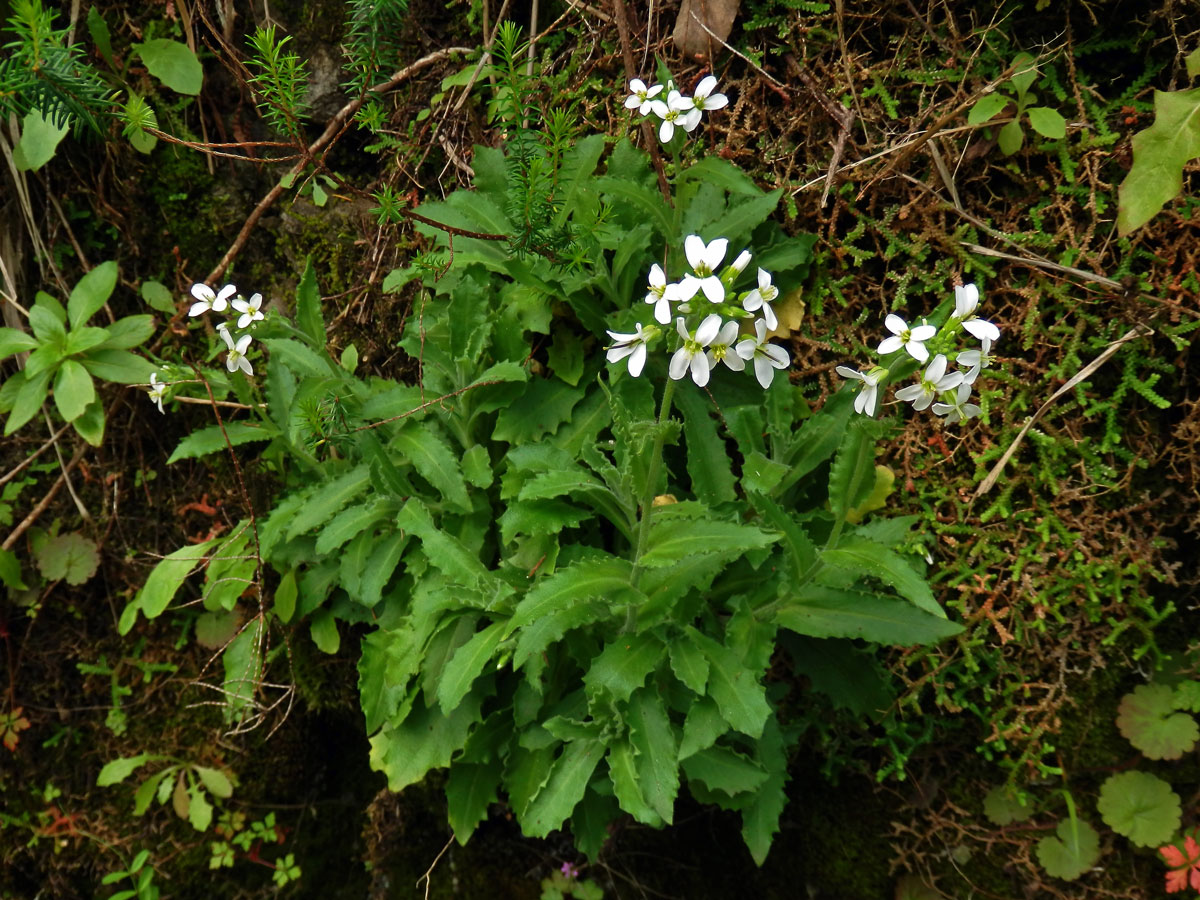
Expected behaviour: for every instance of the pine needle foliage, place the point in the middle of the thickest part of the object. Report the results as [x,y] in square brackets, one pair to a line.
[40,70]
[281,81]
[373,30]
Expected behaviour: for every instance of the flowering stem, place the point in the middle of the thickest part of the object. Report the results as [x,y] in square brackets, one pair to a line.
[647,504]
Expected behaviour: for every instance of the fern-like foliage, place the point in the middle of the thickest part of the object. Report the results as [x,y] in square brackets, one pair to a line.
[373,30]
[281,81]
[40,70]
[535,147]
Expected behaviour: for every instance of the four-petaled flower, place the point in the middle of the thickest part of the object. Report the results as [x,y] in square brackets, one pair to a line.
[678,111]
[722,349]
[236,358]
[958,409]
[632,345]
[640,98]
[157,390]
[705,99]
[767,357]
[704,260]
[661,294]
[207,299]
[1185,865]
[978,360]
[250,310]
[966,298]
[911,339]
[933,382]
[691,354]
[868,394]
[762,297]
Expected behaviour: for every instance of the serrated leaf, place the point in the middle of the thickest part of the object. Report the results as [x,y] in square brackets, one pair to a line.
[172,63]
[211,439]
[825,612]
[848,675]
[866,558]
[569,777]
[656,758]
[540,410]
[622,667]
[200,811]
[425,740]
[1003,807]
[1148,720]
[722,769]
[852,475]
[708,461]
[445,551]
[1187,696]
[760,816]
[703,725]
[431,456]
[623,773]
[163,582]
[689,665]
[736,689]
[1141,807]
[1159,154]
[352,520]
[117,770]
[329,499]
[1075,850]
[466,665]
[381,564]
[308,305]
[242,662]
[70,557]
[672,540]
[147,789]
[470,788]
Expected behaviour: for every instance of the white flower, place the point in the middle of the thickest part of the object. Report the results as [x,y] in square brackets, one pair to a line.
[632,345]
[705,99]
[691,354]
[868,394]
[762,297]
[957,409]
[704,260]
[767,357]
[236,358]
[661,294]
[934,381]
[206,299]
[978,360]
[966,298]
[722,349]
[250,310]
[911,339]
[157,390]
[678,111]
[640,98]
[739,264]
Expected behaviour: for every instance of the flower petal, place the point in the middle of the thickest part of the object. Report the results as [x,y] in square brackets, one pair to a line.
[706,85]
[714,289]
[679,364]
[637,361]
[708,329]
[895,324]
[890,345]
[693,249]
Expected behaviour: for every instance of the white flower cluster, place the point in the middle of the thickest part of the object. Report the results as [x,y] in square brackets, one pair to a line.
[708,333]
[251,312]
[953,388]
[677,111]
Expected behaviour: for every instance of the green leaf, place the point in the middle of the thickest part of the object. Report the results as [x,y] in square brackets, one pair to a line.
[741,219]
[466,665]
[721,769]
[470,788]
[1192,61]
[622,667]
[626,780]
[211,439]
[689,665]
[1141,807]
[987,107]
[1003,807]
[545,404]
[215,781]
[760,816]
[1010,138]
[1148,720]
[826,612]
[672,540]
[73,390]
[1024,73]
[83,339]
[163,582]
[200,811]
[46,326]
[324,631]
[848,675]
[130,331]
[708,461]
[10,570]
[444,550]
[14,341]
[118,770]
[242,662]
[1075,850]
[308,306]
[69,557]
[90,293]
[173,64]
[119,366]
[425,740]
[146,791]
[385,557]
[703,725]
[285,596]
[606,577]
[90,425]
[861,557]
[328,499]
[28,400]
[1047,122]
[40,137]
[352,520]
[653,739]
[1160,153]
[852,475]
[565,356]
[98,29]
[734,687]
[432,457]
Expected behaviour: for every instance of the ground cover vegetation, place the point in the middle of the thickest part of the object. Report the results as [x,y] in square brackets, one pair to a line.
[485,451]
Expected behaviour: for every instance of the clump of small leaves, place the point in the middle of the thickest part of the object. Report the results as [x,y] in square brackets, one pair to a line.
[1018,98]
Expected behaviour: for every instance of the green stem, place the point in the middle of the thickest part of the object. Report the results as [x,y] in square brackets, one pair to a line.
[647,505]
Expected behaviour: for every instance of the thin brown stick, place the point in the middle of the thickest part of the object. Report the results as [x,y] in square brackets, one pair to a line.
[621,14]
[424,406]
[19,467]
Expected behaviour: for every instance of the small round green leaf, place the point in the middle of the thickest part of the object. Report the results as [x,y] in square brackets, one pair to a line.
[1075,850]
[1148,720]
[1141,807]
[173,64]
[68,557]
[1003,807]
